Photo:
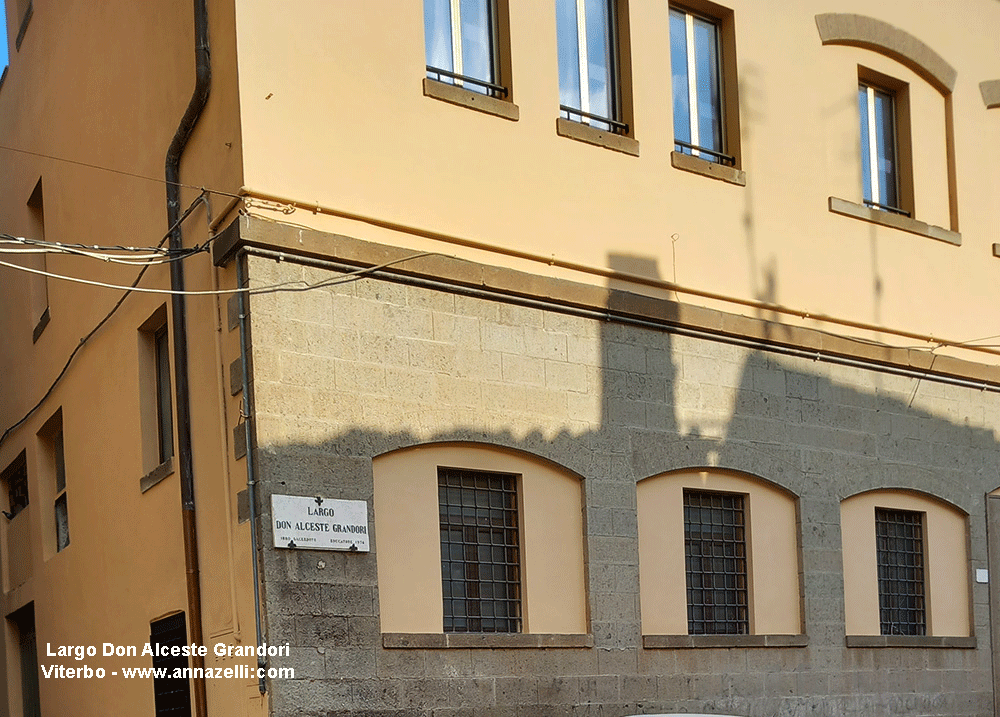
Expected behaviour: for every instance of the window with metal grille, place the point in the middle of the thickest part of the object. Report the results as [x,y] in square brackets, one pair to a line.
[715,559]
[480,551]
[15,480]
[171,695]
[900,553]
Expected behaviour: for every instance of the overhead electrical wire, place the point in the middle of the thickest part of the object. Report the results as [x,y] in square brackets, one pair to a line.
[85,339]
[288,286]
[292,286]
[78,163]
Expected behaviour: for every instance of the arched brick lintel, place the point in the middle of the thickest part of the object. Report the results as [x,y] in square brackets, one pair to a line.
[881,37]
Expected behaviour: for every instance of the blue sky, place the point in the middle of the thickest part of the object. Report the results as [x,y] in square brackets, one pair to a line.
[3,36]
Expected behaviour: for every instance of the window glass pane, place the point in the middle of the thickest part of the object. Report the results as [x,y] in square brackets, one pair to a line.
[599,60]
[706,52]
[866,178]
[437,34]
[886,148]
[477,41]
[679,77]
[569,54]
[62,523]
[165,424]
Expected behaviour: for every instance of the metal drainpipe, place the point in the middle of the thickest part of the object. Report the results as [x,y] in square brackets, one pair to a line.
[203,76]
[251,470]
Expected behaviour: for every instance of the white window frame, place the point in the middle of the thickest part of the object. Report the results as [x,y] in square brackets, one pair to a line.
[869,164]
[583,73]
[457,76]
[692,88]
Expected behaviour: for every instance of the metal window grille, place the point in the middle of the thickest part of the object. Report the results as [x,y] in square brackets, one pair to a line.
[901,590]
[171,695]
[715,558]
[15,478]
[480,551]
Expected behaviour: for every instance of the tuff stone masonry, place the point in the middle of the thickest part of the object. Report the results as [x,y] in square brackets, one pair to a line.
[614,403]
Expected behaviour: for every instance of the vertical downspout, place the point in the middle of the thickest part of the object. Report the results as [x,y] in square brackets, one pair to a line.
[181,385]
[241,282]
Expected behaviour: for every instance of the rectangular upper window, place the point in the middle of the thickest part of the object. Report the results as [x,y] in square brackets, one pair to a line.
[462,41]
[480,551]
[715,557]
[589,81]
[899,547]
[696,68]
[879,154]
[15,480]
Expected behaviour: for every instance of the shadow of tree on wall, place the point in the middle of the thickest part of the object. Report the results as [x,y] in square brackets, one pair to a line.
[667,400]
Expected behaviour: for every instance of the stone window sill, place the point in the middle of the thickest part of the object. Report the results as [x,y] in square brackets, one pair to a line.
[599,137]
[473,100]
[697,165]
[961,643]
[164,470]
[467,640]
[895,221]
[686,642]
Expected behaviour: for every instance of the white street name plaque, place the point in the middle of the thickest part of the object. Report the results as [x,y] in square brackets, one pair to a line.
[317,523]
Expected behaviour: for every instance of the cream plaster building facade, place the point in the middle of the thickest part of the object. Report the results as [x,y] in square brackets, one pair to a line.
[642,425]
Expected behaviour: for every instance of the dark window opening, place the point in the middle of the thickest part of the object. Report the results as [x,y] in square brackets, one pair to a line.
[15,479]
[171,695]
[22,623]
[480,551]
[900,554]
[164,407]
[715,558]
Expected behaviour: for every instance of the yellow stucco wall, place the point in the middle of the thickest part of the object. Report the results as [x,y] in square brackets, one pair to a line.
[358,139]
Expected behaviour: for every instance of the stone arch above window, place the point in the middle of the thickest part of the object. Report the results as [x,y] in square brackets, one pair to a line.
[549,577]
[943,579]
[667,510]
[889,40]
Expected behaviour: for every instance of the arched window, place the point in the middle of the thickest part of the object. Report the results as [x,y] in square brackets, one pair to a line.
[906,567]
[472,538]
[718,555]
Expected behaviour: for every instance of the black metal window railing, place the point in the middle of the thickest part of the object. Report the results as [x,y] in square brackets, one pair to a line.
[688,148]
[715,558]
[491,88]
[480,551]
[579,115]
[900,557]
[886,208]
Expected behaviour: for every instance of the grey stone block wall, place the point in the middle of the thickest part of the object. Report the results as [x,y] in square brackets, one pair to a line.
[346,373]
